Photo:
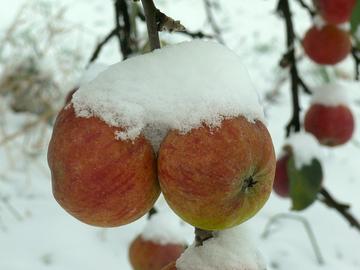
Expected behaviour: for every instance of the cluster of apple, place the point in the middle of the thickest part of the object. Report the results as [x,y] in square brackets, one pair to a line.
[107,182]
[329,43]
[329,120]
[214,177]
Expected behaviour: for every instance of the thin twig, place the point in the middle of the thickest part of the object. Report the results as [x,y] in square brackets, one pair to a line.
[311,11]
[307,228]
[101,44]
[343,209]
[211,20]
[122,31]
[356,55]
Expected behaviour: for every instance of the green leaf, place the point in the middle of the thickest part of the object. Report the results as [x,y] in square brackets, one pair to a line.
[304,183]
[355,23]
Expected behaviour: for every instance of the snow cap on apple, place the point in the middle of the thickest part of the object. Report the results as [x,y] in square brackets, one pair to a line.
[230,249]
[161,242]
[178,87]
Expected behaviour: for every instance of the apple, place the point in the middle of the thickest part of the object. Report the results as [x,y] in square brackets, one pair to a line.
[97,178]
[328,45]
[217,178]
[148,255]
[281,181]
[170,266]
[336,11]
[331,125]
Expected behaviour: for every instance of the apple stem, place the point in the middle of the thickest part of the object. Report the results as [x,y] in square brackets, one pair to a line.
[202,235]
[150,16]
[152,212]
[343,209]
[307,227]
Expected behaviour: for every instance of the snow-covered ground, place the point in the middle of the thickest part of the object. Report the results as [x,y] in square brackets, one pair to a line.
[35,233]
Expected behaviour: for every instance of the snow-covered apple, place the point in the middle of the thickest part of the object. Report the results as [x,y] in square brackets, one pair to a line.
[281,181]
[98,179]
[217,178]
[331,125]
[327,45]
[149,255]
[335,11]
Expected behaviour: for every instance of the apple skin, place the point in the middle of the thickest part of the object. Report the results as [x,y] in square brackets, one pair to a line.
[331,125]
[328,45]
[336,11]
[171,266]
[206,174]
[282,182]
[148,255]
[100,180]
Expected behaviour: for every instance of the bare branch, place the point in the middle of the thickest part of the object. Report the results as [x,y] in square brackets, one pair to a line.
[342,209]
[211,20]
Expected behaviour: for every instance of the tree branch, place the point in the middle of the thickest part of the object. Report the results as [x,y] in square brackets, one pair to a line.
[151,21]
[343,209]
[211,20]
[122,32]
[289,59]
[311,12]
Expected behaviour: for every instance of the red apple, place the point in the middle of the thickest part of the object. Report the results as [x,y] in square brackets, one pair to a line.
[281,181]
[149,255]
[331,125]
[98,179]
[328,45]
[336,11]
[217,178]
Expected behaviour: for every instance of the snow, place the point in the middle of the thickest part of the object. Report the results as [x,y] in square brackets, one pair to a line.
[92,72]
[164,229]
[46,238]
[178,87]
[305,147]
[231,249]
[319,22]
[331,94]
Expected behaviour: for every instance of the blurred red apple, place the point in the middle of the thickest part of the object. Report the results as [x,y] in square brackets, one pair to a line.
[336,11]
[331,125]
[98,179]
[328,45]
[149,255]
[281,181]
[217,178]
